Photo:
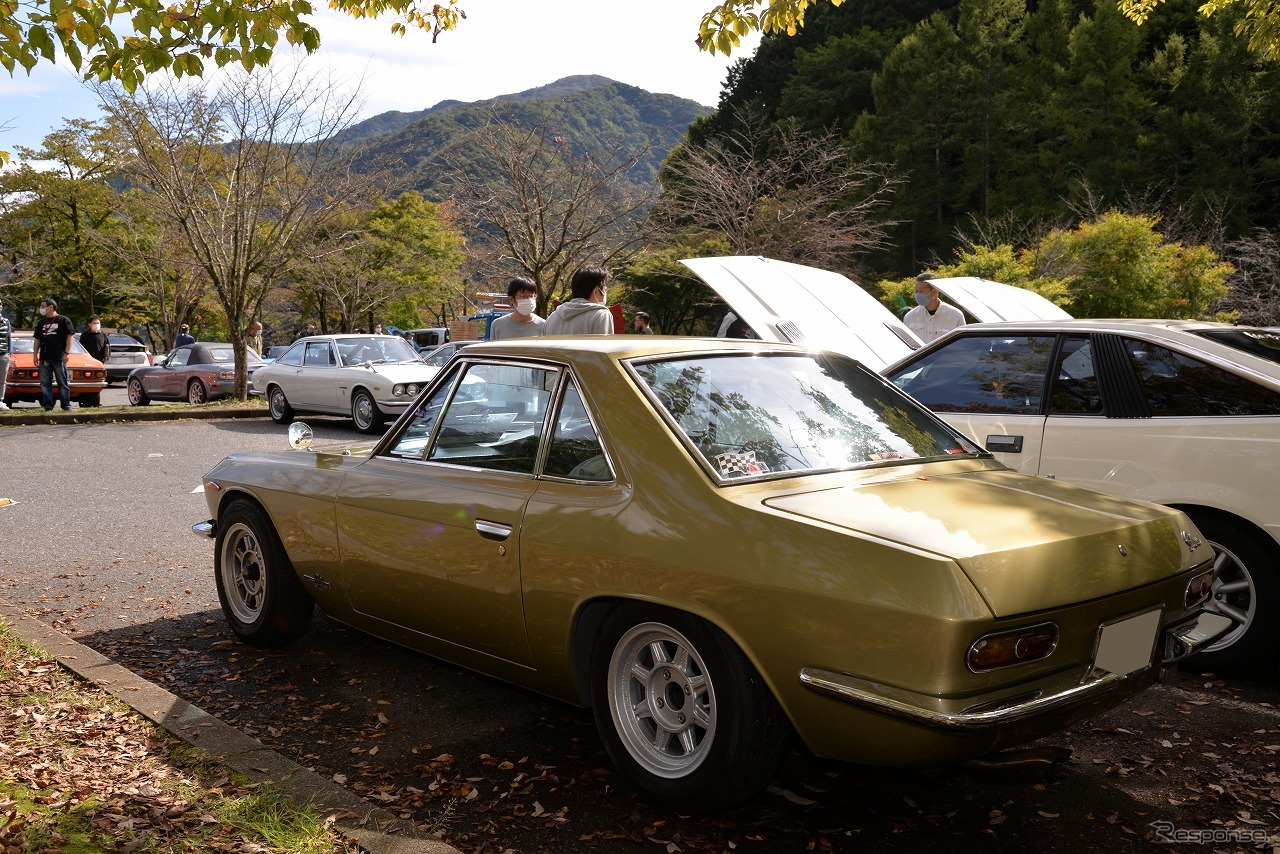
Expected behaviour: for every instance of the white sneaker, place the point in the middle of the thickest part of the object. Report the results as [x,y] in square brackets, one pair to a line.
[3,405]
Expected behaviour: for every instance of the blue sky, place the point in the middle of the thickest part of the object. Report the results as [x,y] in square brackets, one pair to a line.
[504,46]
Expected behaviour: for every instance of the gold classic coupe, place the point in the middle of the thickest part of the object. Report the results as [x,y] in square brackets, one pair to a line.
[713,543]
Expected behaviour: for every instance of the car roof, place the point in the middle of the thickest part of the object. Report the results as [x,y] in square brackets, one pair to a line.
[1185,334]
[620,346]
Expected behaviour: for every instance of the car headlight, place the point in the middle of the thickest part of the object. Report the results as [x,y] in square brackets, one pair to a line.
[411,389]
[1016,646]
[398,390]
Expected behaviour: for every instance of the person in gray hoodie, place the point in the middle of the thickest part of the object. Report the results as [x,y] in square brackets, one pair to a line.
[586,313]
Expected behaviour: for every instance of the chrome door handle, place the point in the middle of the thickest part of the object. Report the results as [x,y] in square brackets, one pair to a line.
[492,530]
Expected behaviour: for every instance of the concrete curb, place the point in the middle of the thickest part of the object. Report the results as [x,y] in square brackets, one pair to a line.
[371,827]
[123,414]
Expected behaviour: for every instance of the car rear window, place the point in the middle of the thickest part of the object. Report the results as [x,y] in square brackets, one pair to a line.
[1251,339]
[751,415]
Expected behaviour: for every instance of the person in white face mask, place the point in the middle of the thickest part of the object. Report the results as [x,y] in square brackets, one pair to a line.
[931,318]
[522,293]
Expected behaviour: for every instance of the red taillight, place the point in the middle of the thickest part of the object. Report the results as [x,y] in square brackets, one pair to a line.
[1198,589]
[1016,646]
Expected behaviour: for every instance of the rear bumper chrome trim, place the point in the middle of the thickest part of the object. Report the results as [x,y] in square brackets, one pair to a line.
[1179,642]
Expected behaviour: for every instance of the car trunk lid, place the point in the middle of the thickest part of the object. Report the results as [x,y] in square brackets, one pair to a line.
[1025,544]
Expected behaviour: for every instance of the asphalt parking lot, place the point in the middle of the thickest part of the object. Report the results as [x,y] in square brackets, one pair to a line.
[98,545]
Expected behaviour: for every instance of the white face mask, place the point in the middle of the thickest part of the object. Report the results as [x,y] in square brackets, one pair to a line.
[525,306]
[94,327]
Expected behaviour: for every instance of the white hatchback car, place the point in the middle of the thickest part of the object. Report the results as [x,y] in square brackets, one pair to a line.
[1176,412]
[372,378]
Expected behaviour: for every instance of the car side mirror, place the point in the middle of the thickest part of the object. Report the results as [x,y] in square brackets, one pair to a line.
[300,435]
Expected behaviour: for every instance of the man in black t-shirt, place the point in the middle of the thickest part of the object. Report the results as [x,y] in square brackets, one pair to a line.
[52,349]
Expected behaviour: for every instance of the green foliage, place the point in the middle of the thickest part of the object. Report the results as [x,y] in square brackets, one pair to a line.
[678,303]
[1120,266]
[1116,265]
[599,117]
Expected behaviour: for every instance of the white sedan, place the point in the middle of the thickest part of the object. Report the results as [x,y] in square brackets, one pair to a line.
[1181,413]
[372,378]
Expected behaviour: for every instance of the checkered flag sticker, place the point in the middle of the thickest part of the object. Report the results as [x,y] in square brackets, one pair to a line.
[739,463]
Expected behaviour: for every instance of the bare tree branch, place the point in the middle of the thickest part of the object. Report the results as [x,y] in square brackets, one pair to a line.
[244,170]
[780,192]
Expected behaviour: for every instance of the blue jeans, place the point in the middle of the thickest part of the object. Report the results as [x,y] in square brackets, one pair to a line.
[50,371]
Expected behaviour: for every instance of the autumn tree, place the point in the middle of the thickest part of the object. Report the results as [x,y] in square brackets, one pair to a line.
[780,192]
[544,206]
[363,261]
[243,171]
[53,217]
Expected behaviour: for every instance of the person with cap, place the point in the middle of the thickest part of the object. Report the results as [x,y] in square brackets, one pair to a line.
[184,336]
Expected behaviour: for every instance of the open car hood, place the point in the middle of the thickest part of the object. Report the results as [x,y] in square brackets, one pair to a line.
[990,302]
[793,303]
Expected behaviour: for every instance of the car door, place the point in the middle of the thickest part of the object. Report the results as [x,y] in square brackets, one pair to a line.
[316,383]
[166,383]
[989,385]
[430,529]
[1171,427]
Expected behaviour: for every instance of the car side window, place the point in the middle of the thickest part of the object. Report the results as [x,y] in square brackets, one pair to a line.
[292,356]
[413,441]
[1175,384]
[319,355]
[495,418]
[179,358]
[1075,383]
[984,374]
[575,450]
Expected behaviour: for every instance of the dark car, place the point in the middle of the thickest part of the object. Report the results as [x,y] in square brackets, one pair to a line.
[195,373]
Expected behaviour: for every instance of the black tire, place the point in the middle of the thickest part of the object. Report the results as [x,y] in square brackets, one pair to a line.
[262,598]
[365,412]
[278,405]
[696,738]
[137,394]
[89,400]
[197,393]
[1246,589]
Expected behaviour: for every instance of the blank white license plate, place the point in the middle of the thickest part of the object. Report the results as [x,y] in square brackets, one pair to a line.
[1127,646]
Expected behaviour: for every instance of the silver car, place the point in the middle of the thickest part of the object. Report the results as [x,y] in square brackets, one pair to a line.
[371,378]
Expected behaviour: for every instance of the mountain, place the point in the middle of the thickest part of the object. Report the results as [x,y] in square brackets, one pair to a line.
[590,113]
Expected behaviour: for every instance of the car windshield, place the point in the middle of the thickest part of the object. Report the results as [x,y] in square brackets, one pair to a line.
[752,415]
[28,345]
[375,348]
[1251,339]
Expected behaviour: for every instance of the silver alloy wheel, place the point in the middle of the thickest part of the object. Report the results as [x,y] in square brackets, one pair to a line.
[362,411]
[244,572]
[195,392]
[1233,596]
[135,392]
[662,700]
[278,403]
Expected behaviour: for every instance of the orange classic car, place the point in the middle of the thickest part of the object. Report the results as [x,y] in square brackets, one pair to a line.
[87,376]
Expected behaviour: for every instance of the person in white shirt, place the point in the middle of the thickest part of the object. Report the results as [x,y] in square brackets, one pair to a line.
[931,318]
[587,313]
[522,293]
